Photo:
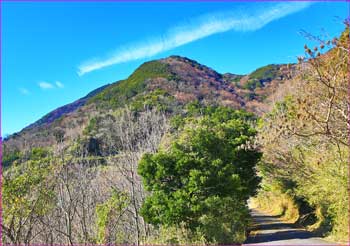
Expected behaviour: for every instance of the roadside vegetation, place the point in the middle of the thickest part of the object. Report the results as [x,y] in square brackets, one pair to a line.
[149,168]
[305,144]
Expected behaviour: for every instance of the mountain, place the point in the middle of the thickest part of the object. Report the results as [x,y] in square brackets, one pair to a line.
[64,110]
[168,84]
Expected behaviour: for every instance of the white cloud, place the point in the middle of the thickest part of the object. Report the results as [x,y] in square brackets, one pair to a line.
[45,85]
[59,84]
[199,28]
[24,91]
[48,85]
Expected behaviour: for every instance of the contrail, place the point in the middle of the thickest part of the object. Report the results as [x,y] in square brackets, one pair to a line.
[199,28]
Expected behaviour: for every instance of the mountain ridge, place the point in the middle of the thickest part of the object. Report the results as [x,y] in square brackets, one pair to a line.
[167,83]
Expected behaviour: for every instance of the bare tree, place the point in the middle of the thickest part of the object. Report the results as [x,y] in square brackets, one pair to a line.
[132,135]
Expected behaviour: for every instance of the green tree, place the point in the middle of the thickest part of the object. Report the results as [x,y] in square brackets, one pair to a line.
[10,156]
[205,177]
[27,196]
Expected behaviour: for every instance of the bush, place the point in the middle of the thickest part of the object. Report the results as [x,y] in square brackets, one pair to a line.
[205,168]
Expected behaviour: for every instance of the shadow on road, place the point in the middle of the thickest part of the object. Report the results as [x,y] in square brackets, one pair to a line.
[267,229]
[280,236]
[272,226]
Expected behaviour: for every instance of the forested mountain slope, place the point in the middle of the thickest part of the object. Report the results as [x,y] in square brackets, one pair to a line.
[168,83]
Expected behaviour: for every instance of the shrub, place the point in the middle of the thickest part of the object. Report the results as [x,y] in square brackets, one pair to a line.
[205,168]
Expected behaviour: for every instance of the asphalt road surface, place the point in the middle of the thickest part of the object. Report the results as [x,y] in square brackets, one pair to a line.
[269,230]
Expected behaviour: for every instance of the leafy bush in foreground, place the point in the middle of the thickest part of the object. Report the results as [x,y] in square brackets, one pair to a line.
[204,177]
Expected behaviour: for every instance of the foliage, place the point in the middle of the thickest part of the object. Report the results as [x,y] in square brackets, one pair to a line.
[266,72]
[233,78]
[205,168]
[159,99]
[10,156]
[108,214]
[305,139]
[276,199]
[117,94]
[92,126]
[38,153]
[262,75]
[27,195]
[175,235]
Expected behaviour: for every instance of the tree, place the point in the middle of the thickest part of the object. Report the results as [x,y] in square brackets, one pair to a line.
[124,136]
[27,197]
[207,166]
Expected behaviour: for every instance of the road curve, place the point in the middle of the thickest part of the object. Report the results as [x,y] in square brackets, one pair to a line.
[269,230]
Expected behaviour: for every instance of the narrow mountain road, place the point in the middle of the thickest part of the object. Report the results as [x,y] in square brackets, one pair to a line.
[269,230]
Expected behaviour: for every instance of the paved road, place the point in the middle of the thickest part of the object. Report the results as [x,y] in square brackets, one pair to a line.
[269,230]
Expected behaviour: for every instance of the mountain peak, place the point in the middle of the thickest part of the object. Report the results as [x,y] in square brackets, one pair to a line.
[178,58]
[181,59]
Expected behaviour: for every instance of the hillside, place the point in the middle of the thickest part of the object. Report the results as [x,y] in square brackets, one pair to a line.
[64,110]
[164,157]
[168,84]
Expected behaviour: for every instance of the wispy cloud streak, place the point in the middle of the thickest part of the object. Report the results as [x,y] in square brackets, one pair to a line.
[199,28]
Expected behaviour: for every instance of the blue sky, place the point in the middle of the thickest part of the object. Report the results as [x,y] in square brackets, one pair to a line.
[56,52]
